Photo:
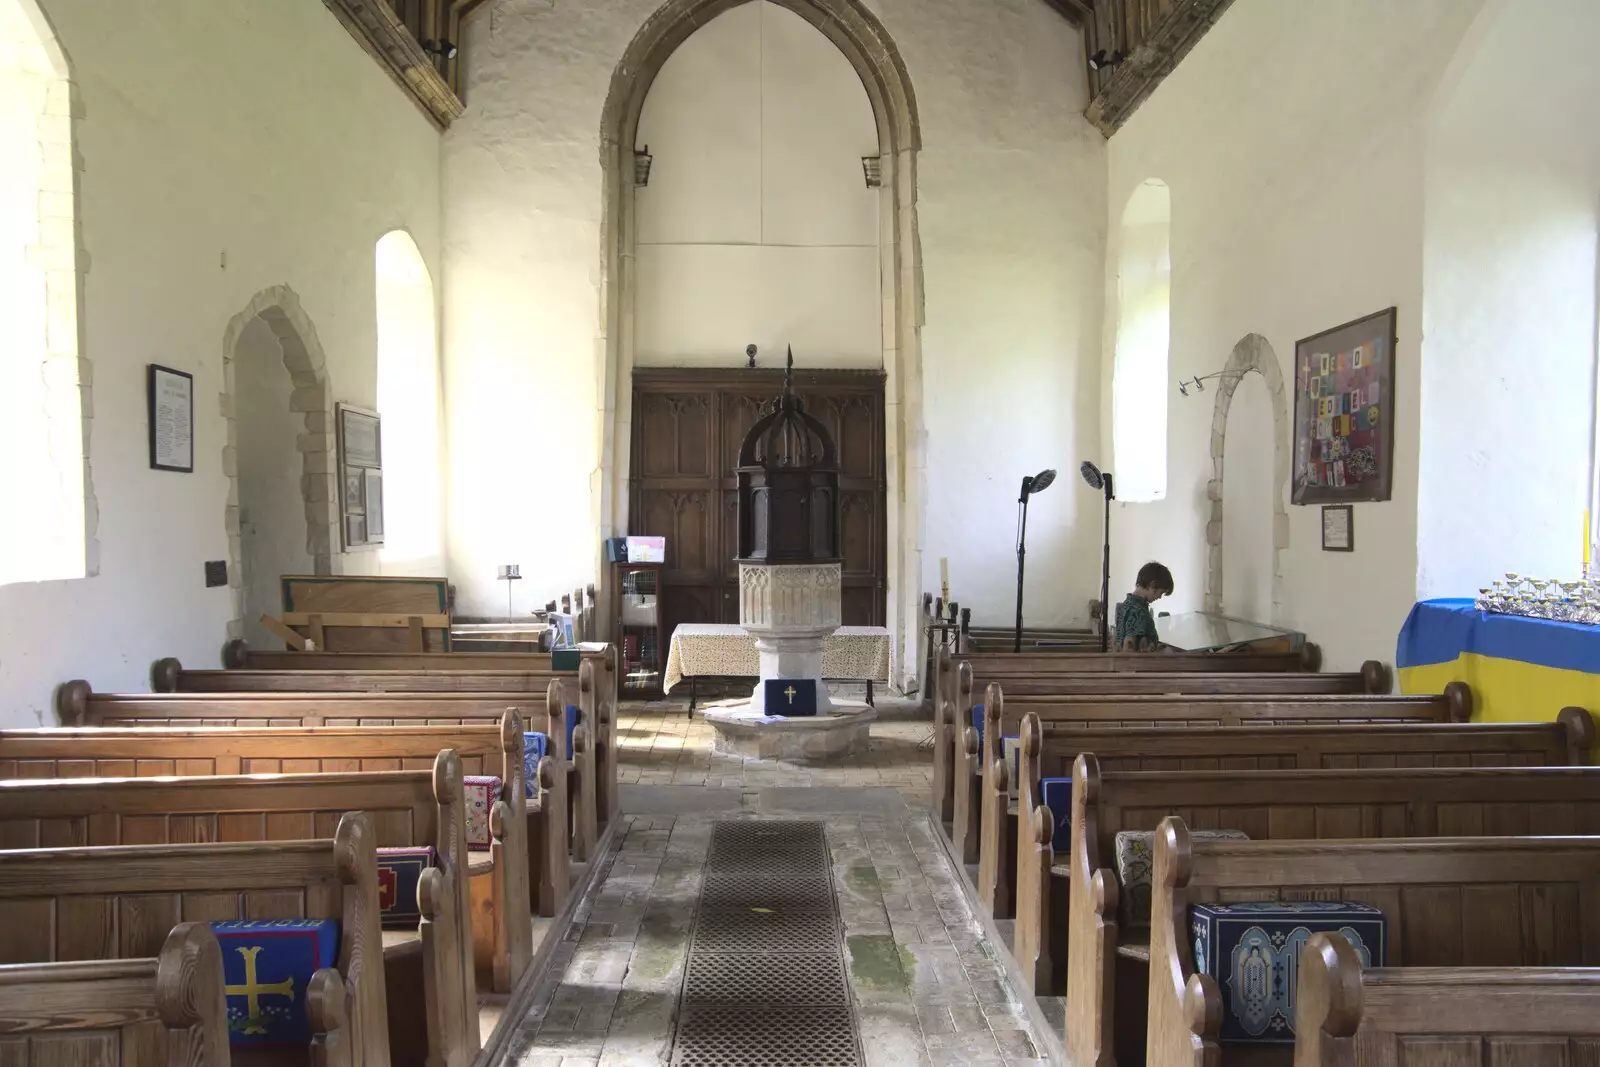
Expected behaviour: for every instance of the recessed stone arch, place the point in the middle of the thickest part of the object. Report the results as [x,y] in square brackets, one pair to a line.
[279,309]
[862,39]
[1253,353]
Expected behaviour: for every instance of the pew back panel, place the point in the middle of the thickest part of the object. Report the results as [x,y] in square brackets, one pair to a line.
[1486,902]
[1444,1016]
[165,1011]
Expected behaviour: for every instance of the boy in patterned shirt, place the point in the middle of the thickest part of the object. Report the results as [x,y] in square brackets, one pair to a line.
[1136,626]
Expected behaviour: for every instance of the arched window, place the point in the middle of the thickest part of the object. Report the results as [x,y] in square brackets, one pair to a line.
[1139,381]
[41,414]
[408,401]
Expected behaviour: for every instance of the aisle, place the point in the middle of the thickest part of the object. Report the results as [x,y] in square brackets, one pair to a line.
[743,941]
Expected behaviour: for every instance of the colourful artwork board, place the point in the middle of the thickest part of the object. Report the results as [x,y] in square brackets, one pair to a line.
[1343,412]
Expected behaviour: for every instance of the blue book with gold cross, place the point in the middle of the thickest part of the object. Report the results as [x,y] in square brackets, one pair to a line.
[267,966]
[790,697]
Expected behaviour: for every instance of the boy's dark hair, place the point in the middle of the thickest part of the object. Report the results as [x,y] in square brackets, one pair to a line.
[1155,576]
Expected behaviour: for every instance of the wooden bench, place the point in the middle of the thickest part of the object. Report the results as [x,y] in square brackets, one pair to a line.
[164,1011]
[1041,951]
[1443,1016]
[591,770]
[982,777]
[1271,805]
[1512,902]
[141,752]
[405,808]
[121,902]
[955,685]
[236,655]
[589,691]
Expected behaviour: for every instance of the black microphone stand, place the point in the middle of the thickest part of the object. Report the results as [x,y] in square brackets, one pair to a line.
[1105,574]
[1022,551]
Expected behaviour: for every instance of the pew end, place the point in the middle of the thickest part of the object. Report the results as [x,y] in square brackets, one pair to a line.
[72,702]
[164,675]
[1311,657]
[1459,697]
[1580,731]
[1456,1016]
[1376,677]
[236,655]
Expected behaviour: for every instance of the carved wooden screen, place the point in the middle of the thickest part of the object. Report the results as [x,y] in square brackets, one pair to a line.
[687,428]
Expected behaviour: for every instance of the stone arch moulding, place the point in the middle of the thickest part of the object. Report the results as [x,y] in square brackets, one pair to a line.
[862,39]
[1253,353]
[279,307]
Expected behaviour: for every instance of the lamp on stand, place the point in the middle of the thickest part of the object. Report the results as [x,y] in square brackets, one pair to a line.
[1102,481]
[1034,483]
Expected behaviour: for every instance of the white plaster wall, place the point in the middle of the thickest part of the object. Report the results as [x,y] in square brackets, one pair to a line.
[1291,138]
[272,512]
[1247,503]
[757,225]
[1508,393]
[227,146]
[1012,215]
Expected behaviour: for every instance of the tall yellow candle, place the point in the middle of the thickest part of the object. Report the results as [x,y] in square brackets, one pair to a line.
[944,577]
[1586,540]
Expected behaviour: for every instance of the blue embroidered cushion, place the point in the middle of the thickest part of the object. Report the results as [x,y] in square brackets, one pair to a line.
[267,965]
[1056,794]
[1253,951]
[399,869]
[534,748]
[977,723]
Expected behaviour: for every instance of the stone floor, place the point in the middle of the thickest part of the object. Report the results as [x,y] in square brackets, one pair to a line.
[927,984]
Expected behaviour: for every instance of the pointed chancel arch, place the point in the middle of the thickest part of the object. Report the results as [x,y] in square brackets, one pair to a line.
[43,379]
[408,401]
[867,45]
[1253,354]
[278,308]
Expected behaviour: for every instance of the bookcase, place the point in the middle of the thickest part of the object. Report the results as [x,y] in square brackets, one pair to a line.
[636,620]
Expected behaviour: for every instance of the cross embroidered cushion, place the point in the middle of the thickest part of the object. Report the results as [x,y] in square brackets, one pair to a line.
[1253,951]
[399,869]
[267,965]
[1134,857]
[482,791]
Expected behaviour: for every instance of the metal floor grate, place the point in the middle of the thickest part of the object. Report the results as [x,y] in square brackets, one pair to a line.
[765,983]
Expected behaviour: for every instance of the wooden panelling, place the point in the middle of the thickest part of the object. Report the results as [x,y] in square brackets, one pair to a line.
[687,429]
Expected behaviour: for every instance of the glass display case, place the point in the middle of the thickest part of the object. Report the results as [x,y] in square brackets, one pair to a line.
[1199,631]
[636,620]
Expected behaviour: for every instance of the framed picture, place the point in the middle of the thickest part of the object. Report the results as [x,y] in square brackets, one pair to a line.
[1338,528]
[360,442]
[170,400]
[1344,412]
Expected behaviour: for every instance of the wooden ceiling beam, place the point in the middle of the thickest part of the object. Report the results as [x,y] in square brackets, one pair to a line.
[1076,12]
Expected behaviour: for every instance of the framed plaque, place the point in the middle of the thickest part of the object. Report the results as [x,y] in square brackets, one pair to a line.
[360,442]
[170,399]
[1338,528]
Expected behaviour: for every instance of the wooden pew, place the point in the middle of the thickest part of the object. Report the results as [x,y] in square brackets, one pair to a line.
[1445,1016]
[1513,902]
[596,709]
[78,705]
[138,752]
[1271,805]
[118,902]
[165,1011]
[1040,945]
[988,666]
[982,758]
[405,808]
[952,703]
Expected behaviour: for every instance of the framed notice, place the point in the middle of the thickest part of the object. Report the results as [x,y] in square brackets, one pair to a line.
[171,411]
[1338,528]
[1344,412]
[360,477]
